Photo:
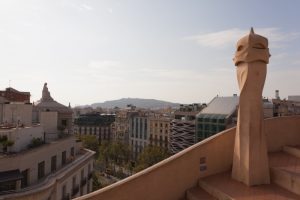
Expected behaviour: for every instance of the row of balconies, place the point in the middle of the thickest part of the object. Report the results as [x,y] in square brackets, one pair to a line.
[75,190]
[66,197]
[83,182]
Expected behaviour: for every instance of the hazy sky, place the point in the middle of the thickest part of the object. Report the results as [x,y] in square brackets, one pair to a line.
[95,50]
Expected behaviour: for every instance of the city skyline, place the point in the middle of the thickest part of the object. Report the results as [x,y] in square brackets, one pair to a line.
[92,51]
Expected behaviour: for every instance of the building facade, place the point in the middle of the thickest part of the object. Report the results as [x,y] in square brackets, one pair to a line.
[99,125]
[138,133]
[286,107]
[121,124]
[219,115]
[59,114]
[160,128]
[36,166]
[182,134]
[13,95]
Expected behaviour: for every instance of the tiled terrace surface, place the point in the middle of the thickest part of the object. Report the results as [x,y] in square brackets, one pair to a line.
[285,162]
[199,193]
[280,160]
[239,191]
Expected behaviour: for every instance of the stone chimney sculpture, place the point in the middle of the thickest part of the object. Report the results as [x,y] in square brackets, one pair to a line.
[46,94]
[250,159]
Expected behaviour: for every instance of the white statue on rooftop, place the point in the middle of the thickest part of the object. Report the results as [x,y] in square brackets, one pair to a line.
[46,94]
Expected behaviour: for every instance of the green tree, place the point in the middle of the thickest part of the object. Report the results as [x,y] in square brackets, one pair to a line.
[113,155]
[90,142]
[96,183]
[150,156]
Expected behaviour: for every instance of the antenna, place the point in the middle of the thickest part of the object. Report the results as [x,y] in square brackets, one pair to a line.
[9,83]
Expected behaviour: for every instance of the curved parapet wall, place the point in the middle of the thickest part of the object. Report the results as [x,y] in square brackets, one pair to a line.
[282,131]
[169,179]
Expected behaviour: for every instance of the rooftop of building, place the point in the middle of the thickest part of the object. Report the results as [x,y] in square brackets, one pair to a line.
[47,103]
[37,144]
[94,119]
[10,89]
[221,106]
[7,126]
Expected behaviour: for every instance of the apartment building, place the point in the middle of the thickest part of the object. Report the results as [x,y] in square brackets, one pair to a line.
[34,165]
[99,125]
[160,128]
[182,134]
[219,115]
[139,132]
[121,124]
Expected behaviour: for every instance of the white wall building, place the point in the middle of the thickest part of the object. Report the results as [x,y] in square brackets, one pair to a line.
[138,134]
[40,162]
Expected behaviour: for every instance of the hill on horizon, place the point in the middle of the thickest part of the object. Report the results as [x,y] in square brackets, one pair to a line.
[138,102]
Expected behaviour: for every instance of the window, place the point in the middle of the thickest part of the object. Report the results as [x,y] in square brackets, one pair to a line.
[24,180]
[74,182]
[104,137]
[82,174]
[64,191]
[72,152]
[136,128]
[213,128]
[206,127]
[53,163]
[8,185]
[41,170]
[89,168]
[221,121]
[141,128]
[64,122]
[63,157]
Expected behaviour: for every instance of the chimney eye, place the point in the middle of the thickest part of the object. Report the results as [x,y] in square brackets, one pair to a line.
[240,48]
[259,46]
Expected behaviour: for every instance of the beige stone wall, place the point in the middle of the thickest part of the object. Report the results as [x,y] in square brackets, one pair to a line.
[282,131]
[14,112]
[22,137]
[49,121]
[169,179]
[29,159]
[68,181]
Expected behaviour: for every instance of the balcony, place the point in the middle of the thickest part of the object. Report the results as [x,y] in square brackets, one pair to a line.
[83,182]
[90,175]
[48,182]
[75,190]
[66,197]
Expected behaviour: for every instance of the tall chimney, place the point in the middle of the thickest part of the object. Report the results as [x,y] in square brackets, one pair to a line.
[277,94]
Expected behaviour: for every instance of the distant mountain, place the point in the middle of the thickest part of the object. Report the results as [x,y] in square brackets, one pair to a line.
[140,103]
